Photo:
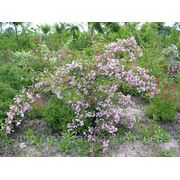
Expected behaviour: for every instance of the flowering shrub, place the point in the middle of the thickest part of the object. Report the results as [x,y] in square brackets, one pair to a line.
[93,90]
[173,69]
[171,52]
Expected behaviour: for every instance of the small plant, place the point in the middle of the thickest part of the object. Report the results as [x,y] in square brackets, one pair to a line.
[160,135]
[168,153]
[82,146]
[130,137]
[35,139]
[51,141]
[69,143]
[151,134]
[146,140]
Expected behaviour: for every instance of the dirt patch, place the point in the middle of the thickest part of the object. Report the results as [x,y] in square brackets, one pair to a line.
[22,145]
[132,149]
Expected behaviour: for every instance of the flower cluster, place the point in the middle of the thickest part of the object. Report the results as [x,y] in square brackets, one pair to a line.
[22,103]
[126,45]
[173,69]
[134,76]
[142,81]
[171,52]
[92,90]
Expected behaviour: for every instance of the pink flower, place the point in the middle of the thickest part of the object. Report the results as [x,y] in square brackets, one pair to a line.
[105,145]
[10,116]
[18,123]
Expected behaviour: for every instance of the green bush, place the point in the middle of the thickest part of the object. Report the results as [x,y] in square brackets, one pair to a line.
[9,41]
[6,97]
[162,108]
[58,114]
[15,76]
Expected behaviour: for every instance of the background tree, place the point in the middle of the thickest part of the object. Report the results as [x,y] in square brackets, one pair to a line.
[73,30]
[111,27]
[45,29]
[60,27]
[95,27]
